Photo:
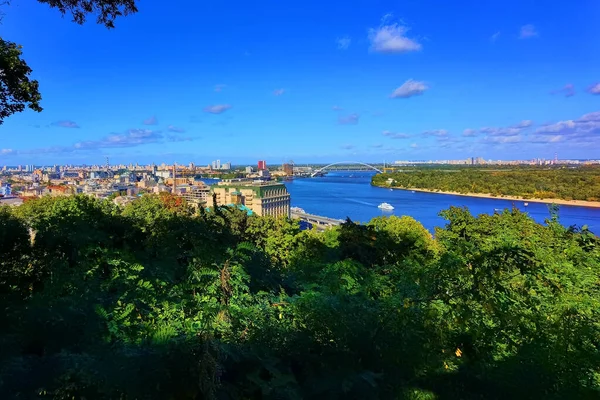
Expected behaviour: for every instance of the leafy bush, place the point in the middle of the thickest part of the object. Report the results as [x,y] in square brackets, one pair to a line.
[154,301]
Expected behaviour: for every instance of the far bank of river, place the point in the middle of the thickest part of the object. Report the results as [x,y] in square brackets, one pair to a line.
[578,203]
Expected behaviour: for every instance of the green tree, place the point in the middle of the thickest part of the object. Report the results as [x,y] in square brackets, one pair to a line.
[17,89]
[155,301]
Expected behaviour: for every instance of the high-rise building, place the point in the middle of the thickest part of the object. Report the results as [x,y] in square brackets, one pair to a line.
[214,165]
[249,170]
[262,165]
[218,164]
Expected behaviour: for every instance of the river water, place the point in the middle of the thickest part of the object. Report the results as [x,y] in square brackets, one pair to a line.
[344,194]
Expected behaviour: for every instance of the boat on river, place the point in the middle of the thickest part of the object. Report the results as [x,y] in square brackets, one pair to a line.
[386,206]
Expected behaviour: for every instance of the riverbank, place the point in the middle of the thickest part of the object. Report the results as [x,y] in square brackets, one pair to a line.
[578,203]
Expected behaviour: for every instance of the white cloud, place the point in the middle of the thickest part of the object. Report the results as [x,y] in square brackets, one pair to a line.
[502,139]
[278,92]
[392,39]
[408,89]
[585,129]
[492,131]
[343,43]
[337,108]
[347,147]
[547,139]
[594,89]
[133,137]
[395,135]
[561,126]
[593,116]
[6,151]
[220,87]
[526,123]
[528,31]
[175,129]
[217,108]
[66,124]
[436,133]
[178,138]
[414,145]
[151,121]
[469,132]
[568,90]
[351,119]
[494,37]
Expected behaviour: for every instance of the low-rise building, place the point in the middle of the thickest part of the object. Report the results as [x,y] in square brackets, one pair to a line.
[263,198]
[195,195]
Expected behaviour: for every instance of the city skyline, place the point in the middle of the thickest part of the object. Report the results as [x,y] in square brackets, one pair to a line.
[317,83]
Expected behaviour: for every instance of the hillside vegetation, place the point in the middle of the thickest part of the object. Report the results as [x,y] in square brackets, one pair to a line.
[540,183]
[152,301]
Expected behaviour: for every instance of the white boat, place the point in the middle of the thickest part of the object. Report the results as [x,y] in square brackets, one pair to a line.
[525,204]
[297,210]
[386,206]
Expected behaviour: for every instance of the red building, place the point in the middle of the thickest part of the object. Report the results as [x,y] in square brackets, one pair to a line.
[262,165]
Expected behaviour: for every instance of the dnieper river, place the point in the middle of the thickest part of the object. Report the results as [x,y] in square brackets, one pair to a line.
[342,194]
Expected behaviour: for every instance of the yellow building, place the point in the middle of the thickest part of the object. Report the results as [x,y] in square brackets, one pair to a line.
[263,198]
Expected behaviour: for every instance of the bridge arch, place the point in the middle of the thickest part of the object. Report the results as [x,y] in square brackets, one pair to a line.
[345,162]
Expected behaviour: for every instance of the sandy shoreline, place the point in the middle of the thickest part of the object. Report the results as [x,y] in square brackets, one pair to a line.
[578,203]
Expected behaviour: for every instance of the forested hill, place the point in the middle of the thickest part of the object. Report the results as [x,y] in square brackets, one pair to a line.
[152,301]
[581,183]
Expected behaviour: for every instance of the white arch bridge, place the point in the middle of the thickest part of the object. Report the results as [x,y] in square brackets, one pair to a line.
[344,164]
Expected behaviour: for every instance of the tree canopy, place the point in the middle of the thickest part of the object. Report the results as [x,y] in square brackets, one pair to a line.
[153,300]
[581,183]
[17,90]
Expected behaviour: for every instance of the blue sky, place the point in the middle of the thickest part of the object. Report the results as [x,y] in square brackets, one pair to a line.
[310,81]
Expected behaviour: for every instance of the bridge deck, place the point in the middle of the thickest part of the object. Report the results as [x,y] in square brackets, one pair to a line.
[344,163]
[317,219]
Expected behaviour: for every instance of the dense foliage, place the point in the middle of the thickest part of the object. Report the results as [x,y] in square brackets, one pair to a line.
[152,301]
[541,183]
[16,89]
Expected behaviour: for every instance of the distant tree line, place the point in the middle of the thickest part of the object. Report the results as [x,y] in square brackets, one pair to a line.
[581,183]
[154,301]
